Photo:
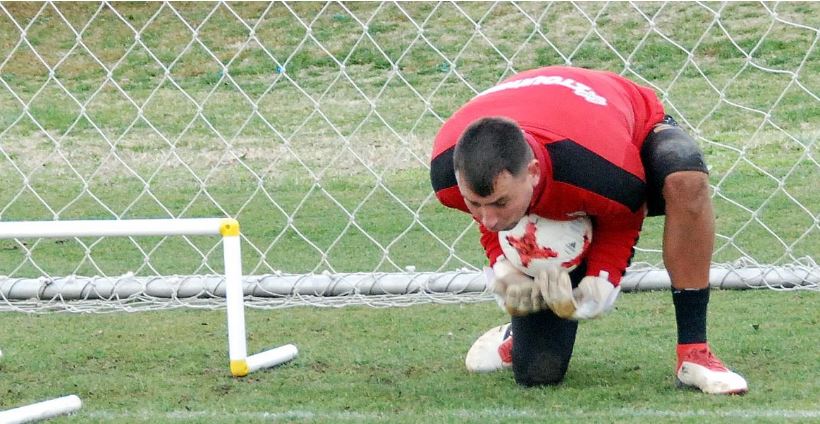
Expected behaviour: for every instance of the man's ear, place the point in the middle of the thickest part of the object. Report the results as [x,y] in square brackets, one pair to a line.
[534,172]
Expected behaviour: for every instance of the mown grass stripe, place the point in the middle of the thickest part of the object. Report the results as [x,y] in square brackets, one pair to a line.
[494,413]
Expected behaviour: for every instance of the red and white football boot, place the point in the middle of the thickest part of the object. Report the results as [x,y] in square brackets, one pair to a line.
[492,351]
[699,368]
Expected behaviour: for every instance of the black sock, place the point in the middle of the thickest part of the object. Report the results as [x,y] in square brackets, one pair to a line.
[690,314]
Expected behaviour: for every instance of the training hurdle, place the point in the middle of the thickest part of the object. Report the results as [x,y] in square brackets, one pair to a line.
[41,410]
[240,363]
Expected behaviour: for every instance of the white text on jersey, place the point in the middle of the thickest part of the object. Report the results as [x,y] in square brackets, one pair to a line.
[577,88]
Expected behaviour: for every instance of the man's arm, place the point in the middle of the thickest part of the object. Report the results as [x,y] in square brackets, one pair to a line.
[613,242]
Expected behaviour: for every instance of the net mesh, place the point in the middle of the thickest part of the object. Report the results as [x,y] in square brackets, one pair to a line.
[312,124]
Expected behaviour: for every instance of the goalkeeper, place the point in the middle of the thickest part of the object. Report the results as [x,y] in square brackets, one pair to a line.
[563,142]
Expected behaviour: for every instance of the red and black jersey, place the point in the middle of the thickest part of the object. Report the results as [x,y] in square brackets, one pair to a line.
[586,129]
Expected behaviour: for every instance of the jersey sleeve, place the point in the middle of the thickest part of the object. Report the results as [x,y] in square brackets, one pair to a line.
[489,240]
[613,244]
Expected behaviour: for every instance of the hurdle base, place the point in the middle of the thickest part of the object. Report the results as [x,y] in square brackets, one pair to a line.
[41,410]
[266,359]
[272,358]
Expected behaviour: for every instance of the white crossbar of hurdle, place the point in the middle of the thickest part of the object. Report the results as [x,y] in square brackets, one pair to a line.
[240,363]
[41,410]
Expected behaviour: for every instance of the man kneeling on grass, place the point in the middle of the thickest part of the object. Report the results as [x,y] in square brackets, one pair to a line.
[562,142]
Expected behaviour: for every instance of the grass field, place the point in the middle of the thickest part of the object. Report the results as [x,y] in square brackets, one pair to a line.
[245,110]
[406,365]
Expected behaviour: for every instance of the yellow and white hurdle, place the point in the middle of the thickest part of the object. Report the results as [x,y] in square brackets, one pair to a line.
[240,363]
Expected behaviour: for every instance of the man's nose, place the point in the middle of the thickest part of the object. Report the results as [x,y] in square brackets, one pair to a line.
[488,218]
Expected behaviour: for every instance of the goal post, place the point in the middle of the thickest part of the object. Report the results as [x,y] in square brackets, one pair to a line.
[240,363]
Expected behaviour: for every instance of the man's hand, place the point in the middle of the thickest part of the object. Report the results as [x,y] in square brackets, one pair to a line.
[594,296]
[516,292]
[556,290]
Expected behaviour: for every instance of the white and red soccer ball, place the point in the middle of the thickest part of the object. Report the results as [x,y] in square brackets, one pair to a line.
[537,243]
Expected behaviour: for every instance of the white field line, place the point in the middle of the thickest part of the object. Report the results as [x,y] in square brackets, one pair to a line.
[153,416]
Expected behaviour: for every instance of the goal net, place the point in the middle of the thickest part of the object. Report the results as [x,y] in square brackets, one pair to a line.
[312,125]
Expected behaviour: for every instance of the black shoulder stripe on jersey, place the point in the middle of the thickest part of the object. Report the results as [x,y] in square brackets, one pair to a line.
[575,164]
[442,174]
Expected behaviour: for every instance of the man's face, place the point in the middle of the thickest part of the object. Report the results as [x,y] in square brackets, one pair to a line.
[508,202]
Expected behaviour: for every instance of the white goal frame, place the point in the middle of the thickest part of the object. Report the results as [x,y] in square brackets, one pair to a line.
[240,363]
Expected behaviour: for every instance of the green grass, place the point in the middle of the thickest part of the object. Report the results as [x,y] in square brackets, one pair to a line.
[406,365]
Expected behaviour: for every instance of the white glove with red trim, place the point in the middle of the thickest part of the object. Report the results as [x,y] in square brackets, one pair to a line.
[593,298]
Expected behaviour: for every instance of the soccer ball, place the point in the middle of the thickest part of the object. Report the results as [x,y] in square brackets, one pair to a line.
[537,243]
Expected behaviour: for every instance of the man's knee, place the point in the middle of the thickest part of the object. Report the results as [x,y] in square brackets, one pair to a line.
[544,372]
[687,190]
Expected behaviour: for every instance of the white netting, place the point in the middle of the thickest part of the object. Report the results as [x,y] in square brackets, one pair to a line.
[312,124]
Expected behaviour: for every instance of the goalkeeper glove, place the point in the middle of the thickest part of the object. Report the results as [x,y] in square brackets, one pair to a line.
[516,293]
[594,296]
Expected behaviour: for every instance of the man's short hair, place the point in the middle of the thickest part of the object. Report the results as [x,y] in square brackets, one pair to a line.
[488,147]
